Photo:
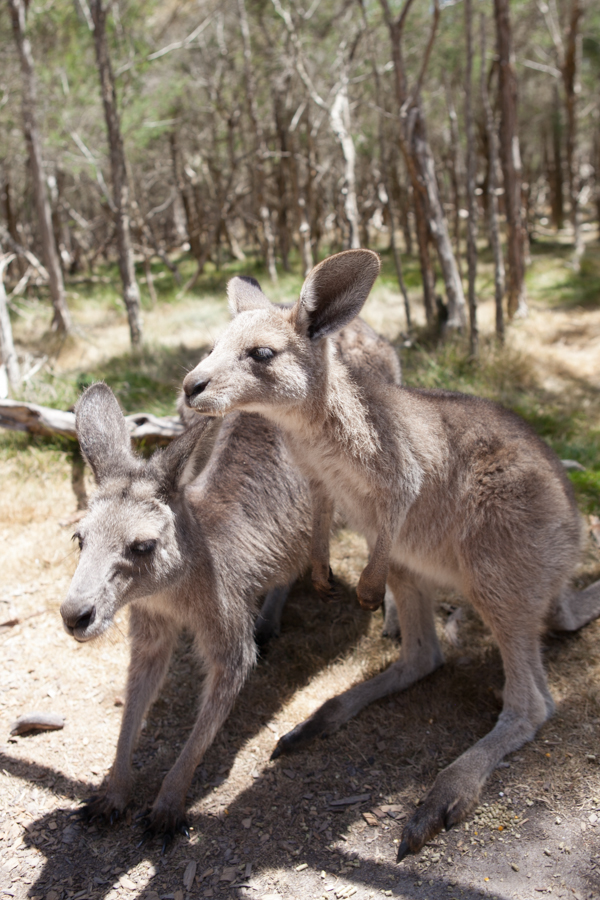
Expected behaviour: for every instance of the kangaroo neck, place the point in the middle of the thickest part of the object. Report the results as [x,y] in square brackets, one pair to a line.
[334,416]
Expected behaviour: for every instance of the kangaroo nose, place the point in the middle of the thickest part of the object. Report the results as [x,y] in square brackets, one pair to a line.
[194,389]
[80,620]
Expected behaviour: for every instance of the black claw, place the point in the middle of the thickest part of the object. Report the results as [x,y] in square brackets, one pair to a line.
[403,850]
[184,829]
[114,816]
[167,841]
[447,823]
[277,751]
[143,815]
[145,838]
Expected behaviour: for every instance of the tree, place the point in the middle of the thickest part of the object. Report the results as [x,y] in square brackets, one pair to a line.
[471,173]
[492,199]
[120,180]
[420,164]
[511,159]
[62,319]
[568,57]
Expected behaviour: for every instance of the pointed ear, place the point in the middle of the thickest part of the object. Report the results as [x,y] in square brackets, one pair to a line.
[185,457]
[102,431]
[243,293]
[334,292]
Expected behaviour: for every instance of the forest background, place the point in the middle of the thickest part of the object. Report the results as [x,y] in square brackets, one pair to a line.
[148,152]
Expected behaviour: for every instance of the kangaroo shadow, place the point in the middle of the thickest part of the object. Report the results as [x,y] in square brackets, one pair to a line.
[280,814]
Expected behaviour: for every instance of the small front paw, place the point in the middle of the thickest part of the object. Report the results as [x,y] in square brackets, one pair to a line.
[166,823]
[107,805]
[328,589]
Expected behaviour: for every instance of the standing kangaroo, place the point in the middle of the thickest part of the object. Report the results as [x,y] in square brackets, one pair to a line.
[190,549]
[448,489]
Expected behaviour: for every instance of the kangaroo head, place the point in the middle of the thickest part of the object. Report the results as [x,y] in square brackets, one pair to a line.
[129,542]
[273,357]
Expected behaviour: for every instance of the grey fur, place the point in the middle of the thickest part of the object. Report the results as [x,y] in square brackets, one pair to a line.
[448,489]
[190,539]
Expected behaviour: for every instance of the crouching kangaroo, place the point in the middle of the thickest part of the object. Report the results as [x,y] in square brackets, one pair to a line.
[183,552]
[448,489]
[190,548]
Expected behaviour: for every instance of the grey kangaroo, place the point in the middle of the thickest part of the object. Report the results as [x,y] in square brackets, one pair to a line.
[190,539]
[448,489]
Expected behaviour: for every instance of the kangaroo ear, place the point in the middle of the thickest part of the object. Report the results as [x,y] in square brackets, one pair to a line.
[102,431]
[334,292]
[243,293]
[186,456]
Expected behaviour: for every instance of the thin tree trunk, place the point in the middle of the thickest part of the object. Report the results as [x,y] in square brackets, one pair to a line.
[454,174]
[558,214]
[340,124]
[8,358]
[437,222]
[427,274]
[260,148]
[570,71]
[283,175]
[188,200]
[471,175]
[11,221]
[383,164]
[420,165]
[511,159]
[120,183]
[568,52]
[492,204]
[62,319]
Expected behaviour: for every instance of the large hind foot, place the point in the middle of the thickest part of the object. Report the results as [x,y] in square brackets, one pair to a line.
[449,801]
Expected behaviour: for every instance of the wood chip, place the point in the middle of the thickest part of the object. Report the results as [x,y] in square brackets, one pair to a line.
[229,874]
[37,721]
[247,822]
[189,875]
[370,819]
[350,801]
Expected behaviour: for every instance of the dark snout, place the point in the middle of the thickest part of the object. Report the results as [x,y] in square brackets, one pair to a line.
[193,386]
[78,618]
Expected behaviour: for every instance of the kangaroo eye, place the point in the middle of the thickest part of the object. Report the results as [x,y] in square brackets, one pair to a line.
[143,548]
[262,354]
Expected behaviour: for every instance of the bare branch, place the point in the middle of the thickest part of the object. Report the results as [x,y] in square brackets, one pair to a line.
[99,176]
[416,90]
[541,67]
[181,45]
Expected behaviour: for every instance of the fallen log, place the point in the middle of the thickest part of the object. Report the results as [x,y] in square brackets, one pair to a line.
[43,420]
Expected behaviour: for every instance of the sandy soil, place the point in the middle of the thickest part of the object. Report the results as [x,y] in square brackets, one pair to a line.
[271,830]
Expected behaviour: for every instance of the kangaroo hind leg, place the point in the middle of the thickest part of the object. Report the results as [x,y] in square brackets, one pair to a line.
[420,654]
[527,704]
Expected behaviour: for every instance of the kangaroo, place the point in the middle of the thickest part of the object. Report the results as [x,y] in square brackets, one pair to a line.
[190,538]
[449,490]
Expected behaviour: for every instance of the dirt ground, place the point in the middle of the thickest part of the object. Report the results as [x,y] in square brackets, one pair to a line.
[324,823]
